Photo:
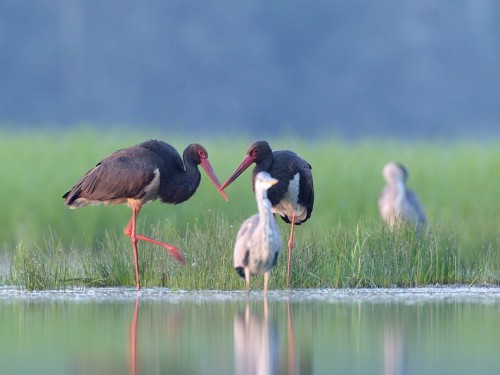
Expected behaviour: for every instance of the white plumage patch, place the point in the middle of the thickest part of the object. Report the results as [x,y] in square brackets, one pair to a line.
[151,190]
[289,204]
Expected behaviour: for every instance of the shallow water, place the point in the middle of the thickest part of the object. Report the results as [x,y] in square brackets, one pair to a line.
[160,331]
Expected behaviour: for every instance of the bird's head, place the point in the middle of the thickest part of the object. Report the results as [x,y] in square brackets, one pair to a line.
[256,152]
[199,155]
[264,181]
[394,173]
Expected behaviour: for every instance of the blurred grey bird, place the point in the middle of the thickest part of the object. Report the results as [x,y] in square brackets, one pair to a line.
[257,343]
[258,242]
[398,204]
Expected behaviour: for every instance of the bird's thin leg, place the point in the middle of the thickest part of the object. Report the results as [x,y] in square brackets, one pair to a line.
[172,249]
[247,278]
[130,231]
[266,281]
[290,248]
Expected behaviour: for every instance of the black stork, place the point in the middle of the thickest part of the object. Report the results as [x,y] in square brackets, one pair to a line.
[140,174]
[293,196]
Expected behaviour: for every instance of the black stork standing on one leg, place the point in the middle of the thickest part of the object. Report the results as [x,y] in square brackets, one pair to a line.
[140,174]
[293,196]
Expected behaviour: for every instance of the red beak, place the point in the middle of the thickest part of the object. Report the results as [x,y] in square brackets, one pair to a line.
[248,161]
[205,164]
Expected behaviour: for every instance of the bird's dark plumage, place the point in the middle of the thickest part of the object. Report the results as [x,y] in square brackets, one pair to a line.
[284,165]
[127,173]
[293,196]
[140,174]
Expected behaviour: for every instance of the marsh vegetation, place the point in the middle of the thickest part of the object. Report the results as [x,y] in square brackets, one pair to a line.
[344,244]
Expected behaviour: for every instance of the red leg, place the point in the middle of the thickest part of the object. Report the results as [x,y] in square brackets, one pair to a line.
[131,232]
[290,248]
[172,249]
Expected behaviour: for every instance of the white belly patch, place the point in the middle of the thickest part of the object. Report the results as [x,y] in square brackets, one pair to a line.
[289,205]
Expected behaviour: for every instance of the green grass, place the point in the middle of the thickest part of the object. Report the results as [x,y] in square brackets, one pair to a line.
[344,244]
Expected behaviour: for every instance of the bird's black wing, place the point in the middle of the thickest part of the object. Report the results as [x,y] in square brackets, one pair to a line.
[306,191]
[123,174]
[284,169]
[286,165]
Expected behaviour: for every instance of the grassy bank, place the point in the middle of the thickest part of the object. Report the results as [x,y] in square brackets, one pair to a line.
[344,244]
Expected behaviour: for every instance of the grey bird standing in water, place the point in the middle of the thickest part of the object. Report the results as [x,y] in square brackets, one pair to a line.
[258,242]
[398,204]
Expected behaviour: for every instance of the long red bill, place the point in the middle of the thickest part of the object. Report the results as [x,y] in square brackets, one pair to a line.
[241,168]
[205,164]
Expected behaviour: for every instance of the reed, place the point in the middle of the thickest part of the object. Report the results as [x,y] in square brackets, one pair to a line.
[368,255]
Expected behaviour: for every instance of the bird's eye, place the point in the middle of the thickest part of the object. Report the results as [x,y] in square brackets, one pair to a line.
[255,152]
[202,154]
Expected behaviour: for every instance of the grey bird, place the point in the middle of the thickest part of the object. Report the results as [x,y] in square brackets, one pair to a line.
[258,242]
[398,204]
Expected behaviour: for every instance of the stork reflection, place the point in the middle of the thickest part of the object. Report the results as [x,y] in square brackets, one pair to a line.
[132,348]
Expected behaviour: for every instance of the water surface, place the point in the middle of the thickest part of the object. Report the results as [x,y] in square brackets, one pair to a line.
[161,331]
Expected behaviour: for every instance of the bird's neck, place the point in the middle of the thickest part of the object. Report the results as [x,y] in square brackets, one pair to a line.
[400,188]
[263,165]
[192,175]
[181,186]
[265,210]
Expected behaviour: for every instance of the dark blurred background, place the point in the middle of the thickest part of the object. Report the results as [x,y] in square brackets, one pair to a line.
[346,68]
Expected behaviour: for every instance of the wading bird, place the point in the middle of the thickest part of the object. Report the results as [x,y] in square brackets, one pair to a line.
[140,174]
[293,196]
[258,242]
[398,204]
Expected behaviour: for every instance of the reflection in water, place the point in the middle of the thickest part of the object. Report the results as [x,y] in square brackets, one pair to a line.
[393,350]
[291,340]
[300,364]
[167,334]
[283,335]
[256,343]
[132,355]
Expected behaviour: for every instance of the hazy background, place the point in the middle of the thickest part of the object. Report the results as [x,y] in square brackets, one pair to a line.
[404,68]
